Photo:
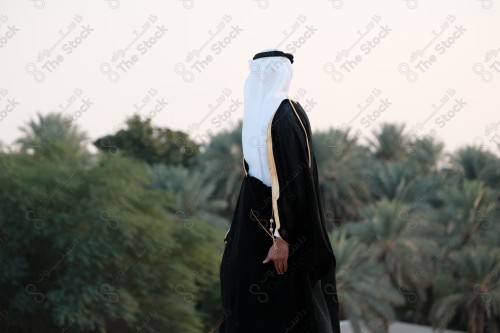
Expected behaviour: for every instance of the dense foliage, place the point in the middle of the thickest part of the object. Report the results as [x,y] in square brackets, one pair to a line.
[130,238]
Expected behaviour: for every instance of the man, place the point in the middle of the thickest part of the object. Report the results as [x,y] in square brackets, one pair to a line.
[278,268]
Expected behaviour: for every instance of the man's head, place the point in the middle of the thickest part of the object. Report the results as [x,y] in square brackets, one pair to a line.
[266,87]
[274,53]
[270,75]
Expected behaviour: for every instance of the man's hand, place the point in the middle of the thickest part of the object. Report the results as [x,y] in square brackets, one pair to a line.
[280,256]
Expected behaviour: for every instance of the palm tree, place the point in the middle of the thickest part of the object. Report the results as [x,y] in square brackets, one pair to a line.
[407,182]
[357,274]
[52,136]
[389,143]
[222,165]
[475,293]
[344,169]
[392,181]
[475,164]
[392,143]
[466,214]
[394,230]
[191,199]
[428,154]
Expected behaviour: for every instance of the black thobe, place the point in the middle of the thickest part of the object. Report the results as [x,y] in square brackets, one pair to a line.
[255,298]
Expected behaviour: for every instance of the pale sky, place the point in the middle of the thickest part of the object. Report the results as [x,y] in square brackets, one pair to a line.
[359,63]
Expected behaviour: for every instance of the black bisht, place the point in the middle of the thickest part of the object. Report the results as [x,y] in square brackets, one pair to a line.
[254,297]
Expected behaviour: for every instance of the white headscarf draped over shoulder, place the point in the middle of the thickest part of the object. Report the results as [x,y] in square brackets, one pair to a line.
[266,86]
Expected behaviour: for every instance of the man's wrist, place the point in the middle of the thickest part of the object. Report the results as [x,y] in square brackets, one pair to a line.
[280,239]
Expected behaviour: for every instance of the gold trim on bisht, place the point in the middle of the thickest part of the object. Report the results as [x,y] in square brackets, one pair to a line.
[225,241]
[244,169]
[275,187]
[305,132]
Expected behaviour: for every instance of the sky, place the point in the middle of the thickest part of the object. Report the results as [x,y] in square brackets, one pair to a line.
[433,66]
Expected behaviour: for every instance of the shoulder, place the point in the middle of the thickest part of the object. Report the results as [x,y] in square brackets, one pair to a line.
[286,113]
[290,118]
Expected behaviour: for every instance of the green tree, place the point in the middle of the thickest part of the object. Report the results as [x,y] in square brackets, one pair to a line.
[192,199]
[344,172]
[357,274]
[390,143]
[474,164]
[53,136]
[394,231]
[92,249]
[149,144]
[222,167]
[466,213]
[471,289]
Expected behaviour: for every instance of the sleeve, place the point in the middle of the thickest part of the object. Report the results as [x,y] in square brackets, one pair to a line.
[290,152]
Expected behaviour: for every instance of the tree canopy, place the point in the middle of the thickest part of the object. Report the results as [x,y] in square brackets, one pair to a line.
[131,238]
